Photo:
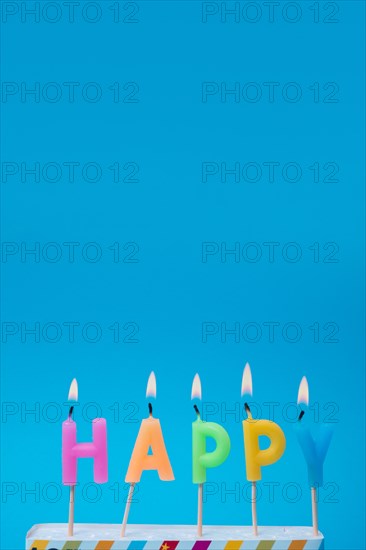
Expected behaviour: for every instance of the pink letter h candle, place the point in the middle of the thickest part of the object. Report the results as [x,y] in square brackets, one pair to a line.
[71,451]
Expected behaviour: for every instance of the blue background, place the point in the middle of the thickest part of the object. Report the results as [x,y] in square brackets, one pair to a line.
[169,292]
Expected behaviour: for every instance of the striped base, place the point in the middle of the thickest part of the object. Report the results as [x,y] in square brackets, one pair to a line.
[52,536]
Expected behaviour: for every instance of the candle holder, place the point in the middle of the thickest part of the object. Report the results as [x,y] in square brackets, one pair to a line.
[53,536]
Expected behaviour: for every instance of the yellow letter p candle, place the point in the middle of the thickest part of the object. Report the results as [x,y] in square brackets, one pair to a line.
[255,458]
[253,429]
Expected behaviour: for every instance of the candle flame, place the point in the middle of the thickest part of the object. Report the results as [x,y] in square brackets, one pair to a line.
[303,395]
[247,383]
[196,388]
[73,391]
[151,385]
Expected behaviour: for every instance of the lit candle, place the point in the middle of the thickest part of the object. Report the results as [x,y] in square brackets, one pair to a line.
[201,459]
[314,450]
[255,458]
[71,451]
[150,436]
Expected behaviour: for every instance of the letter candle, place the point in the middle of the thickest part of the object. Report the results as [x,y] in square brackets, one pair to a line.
[201,460]
[254,456]
[150,436]
[314,451]
[98,536]
[71,451]
[73,396]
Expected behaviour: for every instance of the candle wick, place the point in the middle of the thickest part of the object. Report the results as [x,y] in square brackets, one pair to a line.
[301,415]
[247,410]
[150,409]
[197,411]
[70,412]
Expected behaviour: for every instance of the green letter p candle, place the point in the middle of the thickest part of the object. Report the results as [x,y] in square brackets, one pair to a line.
[201,459]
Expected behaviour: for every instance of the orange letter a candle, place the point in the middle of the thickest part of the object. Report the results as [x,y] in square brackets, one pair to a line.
[150,436]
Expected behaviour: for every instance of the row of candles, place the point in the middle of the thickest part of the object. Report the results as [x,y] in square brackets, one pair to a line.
[150,452]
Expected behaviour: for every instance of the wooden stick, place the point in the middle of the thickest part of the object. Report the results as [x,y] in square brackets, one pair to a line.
[127,509]
[314,510]
[199,510]
[254,509]
[70,530]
